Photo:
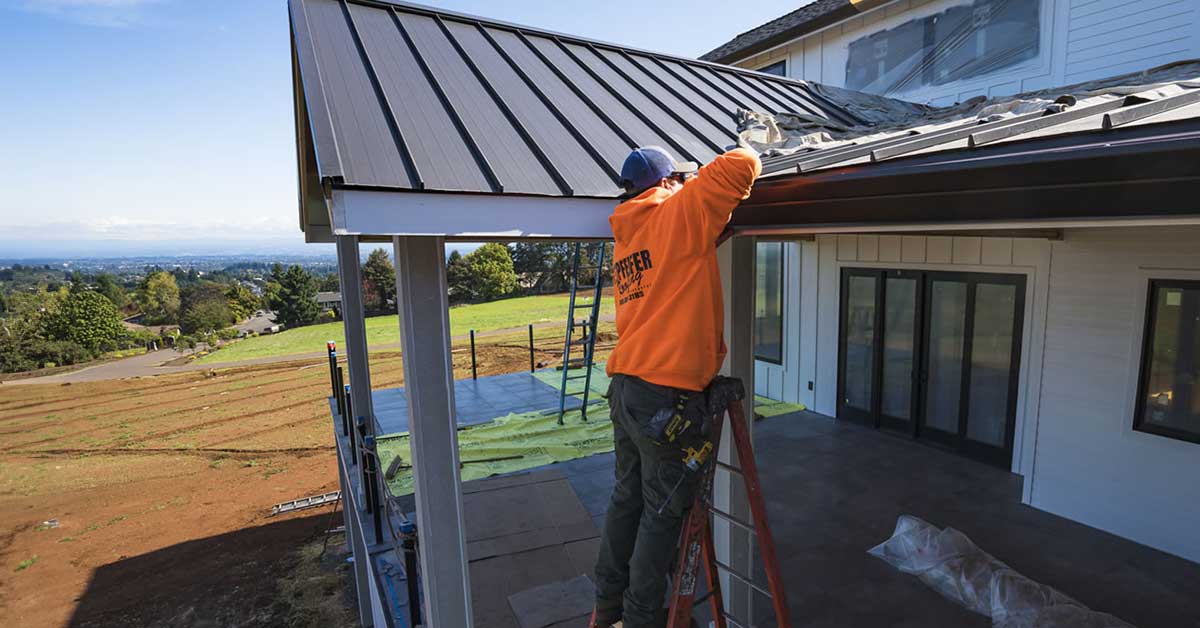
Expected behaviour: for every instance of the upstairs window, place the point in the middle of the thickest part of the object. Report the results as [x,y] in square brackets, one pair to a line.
[1169,391]
[779,68]
[963,42]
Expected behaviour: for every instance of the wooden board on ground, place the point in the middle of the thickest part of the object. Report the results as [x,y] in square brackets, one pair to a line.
[524,531]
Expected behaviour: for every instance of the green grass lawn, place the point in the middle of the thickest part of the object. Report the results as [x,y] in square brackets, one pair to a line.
[385,330]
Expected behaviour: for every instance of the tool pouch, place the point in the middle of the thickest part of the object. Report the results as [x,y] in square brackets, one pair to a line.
[682,421]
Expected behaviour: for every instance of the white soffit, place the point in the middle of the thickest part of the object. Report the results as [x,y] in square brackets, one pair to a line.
[466,216]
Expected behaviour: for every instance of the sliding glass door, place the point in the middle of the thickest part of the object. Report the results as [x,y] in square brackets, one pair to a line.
[934,355]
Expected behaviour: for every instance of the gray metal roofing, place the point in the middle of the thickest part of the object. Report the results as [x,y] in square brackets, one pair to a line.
[406,97]
[1094,114]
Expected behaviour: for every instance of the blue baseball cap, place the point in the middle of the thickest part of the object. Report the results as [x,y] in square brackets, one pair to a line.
[645,166]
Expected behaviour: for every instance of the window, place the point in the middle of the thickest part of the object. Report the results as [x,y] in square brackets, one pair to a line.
[965,41]
[1169,389]
[779,68]
[768,302]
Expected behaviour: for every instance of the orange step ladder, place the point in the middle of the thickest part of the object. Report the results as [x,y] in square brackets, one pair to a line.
[696,542]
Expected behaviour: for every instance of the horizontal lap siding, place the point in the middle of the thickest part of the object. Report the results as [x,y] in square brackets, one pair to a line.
[1110,37]
[1091,465]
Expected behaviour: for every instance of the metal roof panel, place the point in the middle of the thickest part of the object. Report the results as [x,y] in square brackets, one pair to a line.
[407,97]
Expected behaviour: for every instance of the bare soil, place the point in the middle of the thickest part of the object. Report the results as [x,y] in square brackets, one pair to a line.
[161,488]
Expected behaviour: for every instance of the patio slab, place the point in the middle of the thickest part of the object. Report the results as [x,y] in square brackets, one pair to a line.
[834,490]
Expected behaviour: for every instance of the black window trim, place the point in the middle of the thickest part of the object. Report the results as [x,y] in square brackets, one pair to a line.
[1139,406]
[782,303]
[783,62]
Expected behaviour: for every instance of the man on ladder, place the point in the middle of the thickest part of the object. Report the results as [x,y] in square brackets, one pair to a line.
[670,346]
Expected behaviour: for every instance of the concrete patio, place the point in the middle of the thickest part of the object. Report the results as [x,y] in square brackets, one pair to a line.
[835,489]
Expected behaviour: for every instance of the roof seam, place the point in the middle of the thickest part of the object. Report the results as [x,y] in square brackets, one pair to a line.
[549,103]
[578,91]
[624,101]
[654,99]
[410,163]
[674,92]
[323,104]
[538,152]
[480,158]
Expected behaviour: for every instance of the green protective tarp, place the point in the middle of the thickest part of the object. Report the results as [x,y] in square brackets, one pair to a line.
[535,437]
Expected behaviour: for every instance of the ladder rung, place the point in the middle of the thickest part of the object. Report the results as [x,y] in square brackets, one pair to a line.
[734,620]
[734,520]
[736,574]
[729,468]
[585,287]
[583,305]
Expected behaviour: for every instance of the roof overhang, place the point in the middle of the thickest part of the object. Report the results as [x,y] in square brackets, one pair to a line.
[473,217]
[1146,173]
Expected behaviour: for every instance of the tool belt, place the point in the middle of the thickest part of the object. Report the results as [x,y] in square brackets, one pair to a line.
[690,416]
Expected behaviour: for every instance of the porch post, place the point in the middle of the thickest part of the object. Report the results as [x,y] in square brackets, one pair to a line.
[354,324]
[429,384]
[735,547]
[355,349]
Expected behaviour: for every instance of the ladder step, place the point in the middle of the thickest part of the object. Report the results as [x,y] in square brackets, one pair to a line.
[729,468]
[583,305]
[745,580]
[734,520]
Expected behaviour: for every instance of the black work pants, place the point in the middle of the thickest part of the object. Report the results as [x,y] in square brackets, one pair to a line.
[652,495]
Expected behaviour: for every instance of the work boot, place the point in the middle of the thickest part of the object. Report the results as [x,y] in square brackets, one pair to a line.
[600,622]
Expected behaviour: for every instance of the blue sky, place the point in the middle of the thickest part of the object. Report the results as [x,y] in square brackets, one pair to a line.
[172,119]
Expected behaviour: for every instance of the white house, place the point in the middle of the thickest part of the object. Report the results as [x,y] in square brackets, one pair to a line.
[1021,289]
[944,51]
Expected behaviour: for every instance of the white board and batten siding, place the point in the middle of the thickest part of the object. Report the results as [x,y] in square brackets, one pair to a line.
[1092,466]
[1080,40]
[1085,305]
[783,381]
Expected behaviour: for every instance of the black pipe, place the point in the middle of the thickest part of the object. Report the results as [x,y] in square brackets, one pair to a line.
[532,363]
[331,348]
[338,396]
[474,374]
[408,542]
[370,458]
[364,474]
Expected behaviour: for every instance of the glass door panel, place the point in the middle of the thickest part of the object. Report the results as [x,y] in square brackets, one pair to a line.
[859,338]
[899,351]
[946,319]
[991,363]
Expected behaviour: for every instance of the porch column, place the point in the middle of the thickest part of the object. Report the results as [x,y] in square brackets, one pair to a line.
[355,350]
[429,385]
[354,324]
[735,546]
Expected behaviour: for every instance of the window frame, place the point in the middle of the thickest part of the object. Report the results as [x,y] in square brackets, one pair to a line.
[782,303]
[781,62]
[1147,345]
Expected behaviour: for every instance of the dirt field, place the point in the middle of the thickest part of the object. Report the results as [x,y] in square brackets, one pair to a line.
[161,488]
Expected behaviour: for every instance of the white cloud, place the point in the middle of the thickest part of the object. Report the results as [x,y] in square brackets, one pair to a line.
[104,13]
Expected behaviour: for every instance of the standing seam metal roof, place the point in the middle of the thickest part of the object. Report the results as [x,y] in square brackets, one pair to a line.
[406,97]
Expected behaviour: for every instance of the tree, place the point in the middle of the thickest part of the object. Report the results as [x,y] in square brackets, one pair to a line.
[108,286]
[379,274]
[492,273]
[158,295]
[88,319]
[206,316]
[242,302]
[297,297]
[458,278]
[329,283]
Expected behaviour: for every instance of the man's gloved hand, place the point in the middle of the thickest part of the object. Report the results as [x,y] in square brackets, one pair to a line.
[750,130]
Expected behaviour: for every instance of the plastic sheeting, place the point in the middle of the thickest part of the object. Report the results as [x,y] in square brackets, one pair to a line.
[952,565]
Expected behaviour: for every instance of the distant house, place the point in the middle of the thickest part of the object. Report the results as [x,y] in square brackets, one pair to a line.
[330,302]
[945,51]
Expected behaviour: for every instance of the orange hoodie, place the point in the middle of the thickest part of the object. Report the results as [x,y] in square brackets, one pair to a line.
[670,314]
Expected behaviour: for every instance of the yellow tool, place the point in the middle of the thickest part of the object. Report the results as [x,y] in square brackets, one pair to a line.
[694,458]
